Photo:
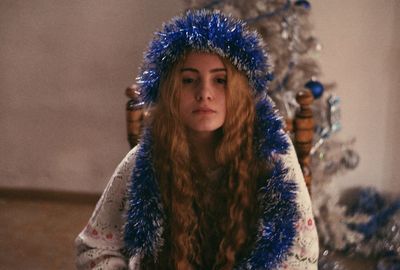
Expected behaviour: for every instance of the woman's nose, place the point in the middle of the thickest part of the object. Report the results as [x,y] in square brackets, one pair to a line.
[204,92]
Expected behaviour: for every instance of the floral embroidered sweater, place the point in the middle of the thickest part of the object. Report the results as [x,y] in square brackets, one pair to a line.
[101,243]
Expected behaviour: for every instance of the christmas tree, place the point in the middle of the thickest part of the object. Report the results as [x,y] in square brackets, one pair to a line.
[367,229]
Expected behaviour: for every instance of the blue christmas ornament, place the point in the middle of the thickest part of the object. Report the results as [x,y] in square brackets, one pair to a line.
[303,3]
[317,89]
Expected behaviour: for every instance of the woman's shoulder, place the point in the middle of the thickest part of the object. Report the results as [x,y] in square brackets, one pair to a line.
[290,161]
[118,184]
[127,162]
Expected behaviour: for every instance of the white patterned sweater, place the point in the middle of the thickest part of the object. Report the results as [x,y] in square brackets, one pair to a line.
[100,243]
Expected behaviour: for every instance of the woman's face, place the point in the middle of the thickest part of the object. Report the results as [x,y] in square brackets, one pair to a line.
[202,97]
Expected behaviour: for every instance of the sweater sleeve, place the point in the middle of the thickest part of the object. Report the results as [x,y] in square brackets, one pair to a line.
[100,244]
[305,251]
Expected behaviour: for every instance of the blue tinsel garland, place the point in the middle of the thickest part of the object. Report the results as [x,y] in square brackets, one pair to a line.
[212,31]
[370,202]
[145,216]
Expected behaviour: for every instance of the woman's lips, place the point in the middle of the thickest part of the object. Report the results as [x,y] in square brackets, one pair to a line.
[203,110]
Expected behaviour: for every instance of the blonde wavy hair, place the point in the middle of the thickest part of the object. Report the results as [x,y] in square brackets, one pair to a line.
[184,245]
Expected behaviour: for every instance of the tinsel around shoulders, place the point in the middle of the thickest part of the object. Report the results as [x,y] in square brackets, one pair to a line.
[145,216]
[277,197]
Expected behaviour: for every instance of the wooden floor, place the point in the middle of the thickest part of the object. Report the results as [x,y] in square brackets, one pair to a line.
[39,232]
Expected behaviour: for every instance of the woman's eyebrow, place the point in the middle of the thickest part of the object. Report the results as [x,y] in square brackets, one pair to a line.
[189,69]
[218,70]
[195,70]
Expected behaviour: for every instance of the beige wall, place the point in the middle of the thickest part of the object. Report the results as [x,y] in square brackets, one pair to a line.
[362,55]
[65,64]
[63,72]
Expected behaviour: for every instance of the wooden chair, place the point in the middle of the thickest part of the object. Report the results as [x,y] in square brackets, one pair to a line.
[301,127]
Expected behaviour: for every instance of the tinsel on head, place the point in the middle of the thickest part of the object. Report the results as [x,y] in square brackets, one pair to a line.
[208,31]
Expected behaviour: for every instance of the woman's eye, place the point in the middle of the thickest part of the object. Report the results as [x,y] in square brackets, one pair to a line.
[221,81]
[187,80]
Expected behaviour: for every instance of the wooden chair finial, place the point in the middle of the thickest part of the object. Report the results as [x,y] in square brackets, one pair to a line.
[134,115]
[304,133]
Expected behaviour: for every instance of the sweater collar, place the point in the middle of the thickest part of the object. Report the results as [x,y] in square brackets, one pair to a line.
[145,216]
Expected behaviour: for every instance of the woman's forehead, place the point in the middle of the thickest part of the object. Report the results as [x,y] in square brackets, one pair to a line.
[203,60]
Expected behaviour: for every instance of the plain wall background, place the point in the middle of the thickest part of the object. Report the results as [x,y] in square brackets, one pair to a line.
[361,53]
[65,66]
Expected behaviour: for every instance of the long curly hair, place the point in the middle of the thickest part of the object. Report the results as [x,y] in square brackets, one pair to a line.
[186,241]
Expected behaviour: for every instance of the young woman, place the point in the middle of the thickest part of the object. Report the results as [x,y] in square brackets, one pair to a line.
[214,182]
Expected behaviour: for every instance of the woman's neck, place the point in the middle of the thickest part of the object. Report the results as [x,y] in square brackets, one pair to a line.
[204,145]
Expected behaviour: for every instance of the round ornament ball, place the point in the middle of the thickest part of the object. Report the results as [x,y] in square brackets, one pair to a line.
[350,159]
[317,89]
